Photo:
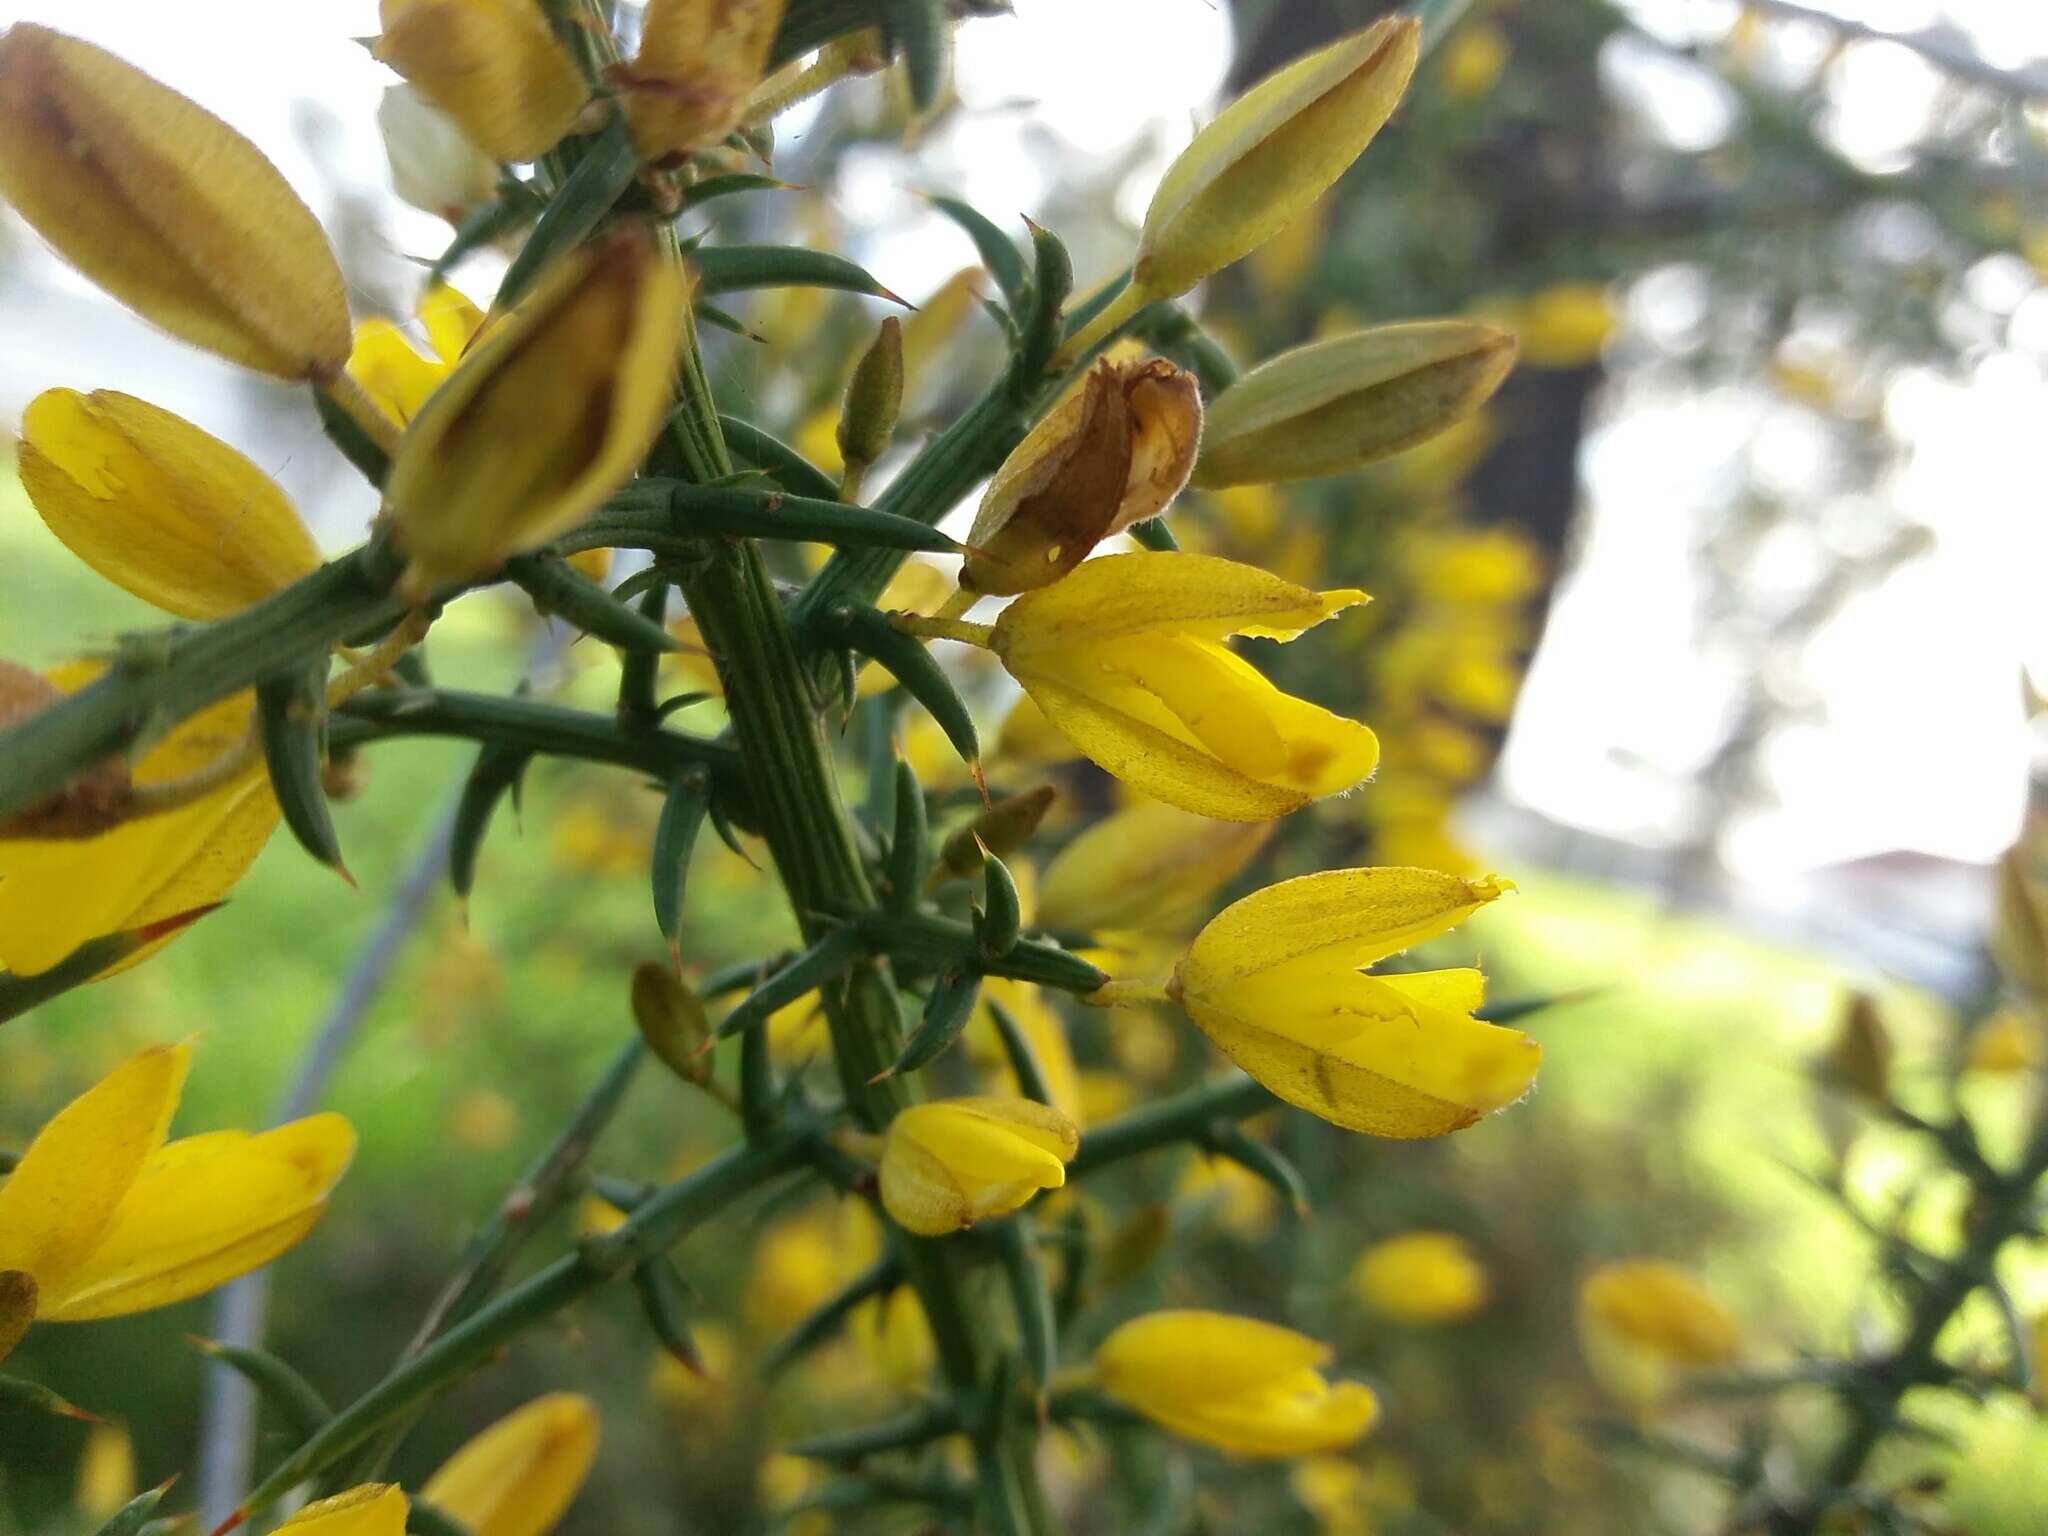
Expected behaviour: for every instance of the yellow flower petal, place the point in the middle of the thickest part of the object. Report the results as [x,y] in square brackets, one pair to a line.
[166,207]
[203,1211]
[1664,1308]
[495,66]
[56,895]
[374,1509]
[391,370]
[1181,593]
[519,1476]
[698,62]
[159,507]
[1147,868]
[1363,914]
[57,1205]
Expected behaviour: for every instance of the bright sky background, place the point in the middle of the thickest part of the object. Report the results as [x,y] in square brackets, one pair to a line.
[1918,743]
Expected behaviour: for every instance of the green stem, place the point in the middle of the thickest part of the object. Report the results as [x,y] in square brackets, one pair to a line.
[1180,1118]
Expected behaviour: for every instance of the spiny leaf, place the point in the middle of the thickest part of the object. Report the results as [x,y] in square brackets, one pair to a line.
[291,712]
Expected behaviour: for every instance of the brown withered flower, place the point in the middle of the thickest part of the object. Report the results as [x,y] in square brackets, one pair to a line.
[94,801]
[1114,452]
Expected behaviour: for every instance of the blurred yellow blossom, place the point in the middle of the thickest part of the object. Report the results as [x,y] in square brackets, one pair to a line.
[106,1472]
[1240,1202]
[2007,1042]
[394,373]
[371,1509]
[1474,58]
[1643,1323]
[1421,1277]
[896,1337]
[518,1477]
[1148,867]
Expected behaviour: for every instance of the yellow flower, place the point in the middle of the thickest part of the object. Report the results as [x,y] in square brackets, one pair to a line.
[1472,565]
[1563,326]
[1260,164]
[1235,1383]
[2006,1043]
[393,372]
[157,506]
[1148,868]
[1421,1277]
[106,1473]
[166,207]
[1240,1202]
[1643,1323]
[371,1509]
[1276,981]
[948,1164]
[1115,451]
[60,893]
[1337,405]
[549,413]
[495,66]
[896,1336]
[518,1477]
[1474,58]
[106,1219]
[1126,658]
[698,62]
[797,1264]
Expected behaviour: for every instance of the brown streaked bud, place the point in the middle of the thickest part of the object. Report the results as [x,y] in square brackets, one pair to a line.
[166,207]
[672,1021]
[550,412]
[699,61]
[87,806]
[867,421]
[1000,830]
[1115,451]
[1336,405]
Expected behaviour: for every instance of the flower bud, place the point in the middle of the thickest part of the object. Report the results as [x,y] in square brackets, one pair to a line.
[698,62]
[1241,1385]
[1643,1323]
[1421,1277]
[948,1164]
[158,507]
[1277,980]
[434,165]
[1148,868]
[166,207]
[550,411]
[1337,405]
[1262,161]
[672,1021]
[519,1476]
[495,66]
[867,420]
[1113,452]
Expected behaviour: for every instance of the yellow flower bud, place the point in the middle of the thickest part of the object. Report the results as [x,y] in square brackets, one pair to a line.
[370,1509]
[494,66]
[1421,1277]
[166,207]
[1263,160]
[672,1021]
[874,398]
[698,62]
[58,894]
[1277,981]
[1241,1385]
[1474,58]
[549,413]
[948,1164]
[1113,452]
[1563,326]
[1149,868]
[157,506]
[1643,1323]
[896,1337]
[1337,405]
[108,1220]
[106,1472]
[518,1477]
[1126,658]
